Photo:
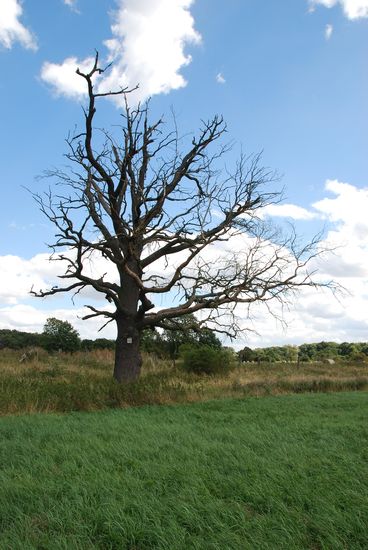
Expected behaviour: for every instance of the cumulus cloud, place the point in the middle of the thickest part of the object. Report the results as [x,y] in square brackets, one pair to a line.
[22,317]
[313,316]
[348,206]
[29,318]
[11,28]
[63,79]
[147,47]
[353,9]
[18,275]
[347,212]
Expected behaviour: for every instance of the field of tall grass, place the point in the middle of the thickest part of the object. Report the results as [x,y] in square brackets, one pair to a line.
[282,472]
[207,472]
[83,382]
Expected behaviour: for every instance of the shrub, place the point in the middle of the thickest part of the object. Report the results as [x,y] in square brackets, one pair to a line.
[202,359]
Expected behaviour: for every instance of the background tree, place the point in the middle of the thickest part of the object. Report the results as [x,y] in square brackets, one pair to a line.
[185,331]
[60,336]
[152,206]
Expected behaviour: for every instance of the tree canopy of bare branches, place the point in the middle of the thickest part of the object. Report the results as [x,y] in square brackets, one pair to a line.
[166,221]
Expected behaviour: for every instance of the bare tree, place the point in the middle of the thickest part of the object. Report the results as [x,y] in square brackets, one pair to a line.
[158,215]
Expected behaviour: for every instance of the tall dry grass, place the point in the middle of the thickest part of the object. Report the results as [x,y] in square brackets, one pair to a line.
[83,381]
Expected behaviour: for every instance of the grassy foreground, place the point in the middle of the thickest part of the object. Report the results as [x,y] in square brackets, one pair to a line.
[287,472]
[83,382]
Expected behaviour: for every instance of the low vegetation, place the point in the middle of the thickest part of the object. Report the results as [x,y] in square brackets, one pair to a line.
[64,382]
[207,360]
[288,472]
[60,335]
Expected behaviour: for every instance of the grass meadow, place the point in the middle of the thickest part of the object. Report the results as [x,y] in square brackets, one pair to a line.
[280,472]
[83,382]
[266,457]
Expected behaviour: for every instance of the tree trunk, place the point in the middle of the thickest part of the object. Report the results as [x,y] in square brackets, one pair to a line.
[128,359]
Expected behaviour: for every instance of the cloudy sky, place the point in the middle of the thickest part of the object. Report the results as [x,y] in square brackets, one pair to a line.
[290,78]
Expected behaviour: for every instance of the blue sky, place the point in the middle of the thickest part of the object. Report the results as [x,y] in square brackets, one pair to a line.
[289,77]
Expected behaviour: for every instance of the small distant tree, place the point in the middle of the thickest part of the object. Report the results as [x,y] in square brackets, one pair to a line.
[153,206]
[60,335]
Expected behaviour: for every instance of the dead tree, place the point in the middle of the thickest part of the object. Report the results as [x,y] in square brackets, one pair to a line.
[165,221]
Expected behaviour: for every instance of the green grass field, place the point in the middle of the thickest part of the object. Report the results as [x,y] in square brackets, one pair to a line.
[285,472]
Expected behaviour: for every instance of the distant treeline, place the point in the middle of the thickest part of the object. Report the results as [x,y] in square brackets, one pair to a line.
[61,336]
[16,339]
[167,344]
[321,351]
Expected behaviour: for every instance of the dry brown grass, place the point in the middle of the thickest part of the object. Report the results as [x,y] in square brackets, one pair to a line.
[83,381]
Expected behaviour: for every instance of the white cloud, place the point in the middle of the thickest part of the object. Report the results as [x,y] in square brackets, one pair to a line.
[29,318]
[347,212]
[147,47]
[63,78]
[288,211]
[353,9]
[220,78]
[11,29]
[349,206]
[18,275]
[328,31]
[22,317]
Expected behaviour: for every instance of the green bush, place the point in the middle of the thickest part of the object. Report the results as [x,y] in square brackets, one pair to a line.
[202,359]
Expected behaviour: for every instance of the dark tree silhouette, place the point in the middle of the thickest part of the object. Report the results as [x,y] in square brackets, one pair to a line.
[139,202]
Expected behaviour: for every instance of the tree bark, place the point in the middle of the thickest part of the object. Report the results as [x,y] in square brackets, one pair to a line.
[128,359]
